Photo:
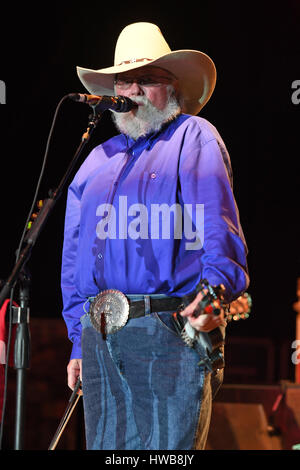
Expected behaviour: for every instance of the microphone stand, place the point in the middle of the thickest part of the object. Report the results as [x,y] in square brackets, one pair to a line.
[21,355]
[21,314]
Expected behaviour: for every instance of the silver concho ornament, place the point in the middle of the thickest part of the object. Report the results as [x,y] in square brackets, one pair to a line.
[109,311]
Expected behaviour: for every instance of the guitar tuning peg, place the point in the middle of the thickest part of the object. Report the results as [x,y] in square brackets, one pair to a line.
[249,299]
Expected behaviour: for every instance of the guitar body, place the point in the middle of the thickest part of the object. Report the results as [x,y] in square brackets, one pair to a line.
[212,343]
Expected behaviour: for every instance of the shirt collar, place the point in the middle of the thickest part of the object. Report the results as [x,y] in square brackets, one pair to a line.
[147,141]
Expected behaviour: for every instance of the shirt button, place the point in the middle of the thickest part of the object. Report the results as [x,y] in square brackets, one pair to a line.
[153,175]
[100,256]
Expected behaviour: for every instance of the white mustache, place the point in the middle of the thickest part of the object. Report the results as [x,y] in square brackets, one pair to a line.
[140,100]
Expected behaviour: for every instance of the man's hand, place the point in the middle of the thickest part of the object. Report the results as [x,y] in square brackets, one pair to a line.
[74,371]
[205,322]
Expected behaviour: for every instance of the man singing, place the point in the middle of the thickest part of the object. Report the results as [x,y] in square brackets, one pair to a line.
[150,213]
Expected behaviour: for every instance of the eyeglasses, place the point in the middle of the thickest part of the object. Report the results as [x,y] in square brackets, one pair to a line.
[144,81]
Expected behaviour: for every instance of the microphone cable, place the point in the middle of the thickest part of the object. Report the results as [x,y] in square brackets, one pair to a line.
[10,321]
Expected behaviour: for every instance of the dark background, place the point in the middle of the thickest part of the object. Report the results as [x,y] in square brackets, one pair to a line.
[255,47]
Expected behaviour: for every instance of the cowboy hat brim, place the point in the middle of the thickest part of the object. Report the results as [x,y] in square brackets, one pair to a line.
[195,71]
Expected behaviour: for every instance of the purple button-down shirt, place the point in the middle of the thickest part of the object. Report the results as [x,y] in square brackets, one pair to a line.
[152,216]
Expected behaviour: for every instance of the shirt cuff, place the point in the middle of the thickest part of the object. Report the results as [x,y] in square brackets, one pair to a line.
[76,352]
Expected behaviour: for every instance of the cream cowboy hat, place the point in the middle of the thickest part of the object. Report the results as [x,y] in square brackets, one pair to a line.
[141,44]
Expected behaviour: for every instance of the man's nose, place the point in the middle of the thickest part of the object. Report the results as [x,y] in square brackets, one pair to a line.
[135,89]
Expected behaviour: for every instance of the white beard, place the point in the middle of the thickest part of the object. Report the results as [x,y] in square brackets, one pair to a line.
[147,118]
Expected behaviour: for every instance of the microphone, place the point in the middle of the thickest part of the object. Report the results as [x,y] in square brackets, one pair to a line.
[121,104]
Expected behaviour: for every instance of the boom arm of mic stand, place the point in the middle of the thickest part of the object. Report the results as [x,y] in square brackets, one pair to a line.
[40,221]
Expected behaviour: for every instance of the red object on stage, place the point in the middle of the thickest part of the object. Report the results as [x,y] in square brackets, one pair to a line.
[296,307]
[3,348]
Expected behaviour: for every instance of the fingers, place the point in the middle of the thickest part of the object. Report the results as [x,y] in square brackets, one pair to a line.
[74,371]
[206,322]
[189,309]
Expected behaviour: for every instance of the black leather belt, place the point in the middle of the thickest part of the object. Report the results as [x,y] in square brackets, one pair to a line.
[110,309]
[138,308]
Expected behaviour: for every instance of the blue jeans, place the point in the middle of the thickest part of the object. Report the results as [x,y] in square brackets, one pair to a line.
[142,388]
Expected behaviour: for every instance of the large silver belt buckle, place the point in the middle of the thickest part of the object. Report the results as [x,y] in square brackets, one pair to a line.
[109,311]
